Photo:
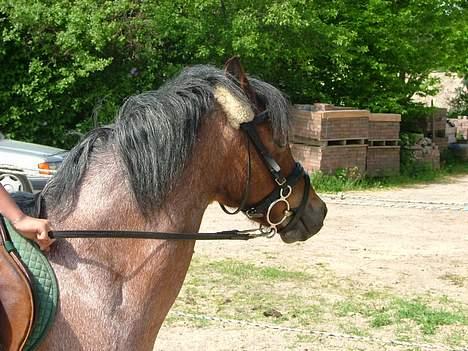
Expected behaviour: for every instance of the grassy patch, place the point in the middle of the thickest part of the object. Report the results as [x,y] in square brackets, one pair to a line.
[349,180]
[351,329]
[426,317]
[241,270]
[241,290]
[315,299]
[395,310]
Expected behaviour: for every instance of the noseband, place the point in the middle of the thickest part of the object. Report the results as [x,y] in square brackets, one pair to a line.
[283,185]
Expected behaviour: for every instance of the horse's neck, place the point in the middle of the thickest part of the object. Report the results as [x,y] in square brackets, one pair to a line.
[126,285]
[105,203]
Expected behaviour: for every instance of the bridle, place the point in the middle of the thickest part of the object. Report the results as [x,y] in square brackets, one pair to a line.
[262,209]
[282,191]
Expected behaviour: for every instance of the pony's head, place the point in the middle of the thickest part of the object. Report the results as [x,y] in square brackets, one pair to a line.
[275,191]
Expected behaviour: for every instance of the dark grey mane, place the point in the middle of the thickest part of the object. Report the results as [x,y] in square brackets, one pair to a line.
[154,133]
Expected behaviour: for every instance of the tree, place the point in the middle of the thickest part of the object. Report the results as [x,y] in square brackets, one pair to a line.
[69,64]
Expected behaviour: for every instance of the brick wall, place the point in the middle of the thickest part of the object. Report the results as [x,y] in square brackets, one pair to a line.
[308,156]
[383,161]
[350,156]
[326,125]
[439,117]
[384,126]
[328,159]
[442,143]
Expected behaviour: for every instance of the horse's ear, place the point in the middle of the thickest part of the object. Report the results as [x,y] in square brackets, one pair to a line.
[234,67]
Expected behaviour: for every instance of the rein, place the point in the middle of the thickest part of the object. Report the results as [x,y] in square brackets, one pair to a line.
[129,234]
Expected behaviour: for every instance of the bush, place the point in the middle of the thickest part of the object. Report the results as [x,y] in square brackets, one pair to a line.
[68,64]
[459,104]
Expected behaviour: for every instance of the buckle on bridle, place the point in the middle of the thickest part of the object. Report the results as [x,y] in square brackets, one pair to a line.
[280,181]
[252,213]
[268,232]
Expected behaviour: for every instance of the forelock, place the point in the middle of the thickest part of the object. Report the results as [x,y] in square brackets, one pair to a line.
[237,111]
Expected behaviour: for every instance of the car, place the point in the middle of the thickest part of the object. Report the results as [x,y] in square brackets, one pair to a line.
[14,179]
[19,160]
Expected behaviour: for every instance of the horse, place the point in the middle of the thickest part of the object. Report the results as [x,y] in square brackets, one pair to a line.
[166,157]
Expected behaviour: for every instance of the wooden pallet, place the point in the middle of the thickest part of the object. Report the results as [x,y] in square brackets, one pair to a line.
[383,143]
[330,142]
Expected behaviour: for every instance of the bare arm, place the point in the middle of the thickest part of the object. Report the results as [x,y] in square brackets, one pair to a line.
[32,228]
[8,207]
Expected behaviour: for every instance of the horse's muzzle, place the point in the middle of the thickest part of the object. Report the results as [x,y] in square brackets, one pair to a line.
[308,225]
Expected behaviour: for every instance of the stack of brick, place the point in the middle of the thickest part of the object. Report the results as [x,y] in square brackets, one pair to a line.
[426,152]
[461,124]
[327,139]
[435,124]
[383,152]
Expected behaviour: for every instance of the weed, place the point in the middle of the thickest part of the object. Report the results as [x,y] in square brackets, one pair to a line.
[412,173]
[428,318]
[242,270]
[381,319]
[352,329]
[455,279]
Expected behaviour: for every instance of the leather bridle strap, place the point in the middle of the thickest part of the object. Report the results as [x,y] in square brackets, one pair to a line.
[272,166]
[130,234]
[259,209]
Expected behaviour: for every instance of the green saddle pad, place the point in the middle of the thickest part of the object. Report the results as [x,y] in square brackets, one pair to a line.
[44,284]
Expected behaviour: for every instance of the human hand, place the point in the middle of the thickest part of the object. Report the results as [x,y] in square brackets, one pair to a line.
[34,229]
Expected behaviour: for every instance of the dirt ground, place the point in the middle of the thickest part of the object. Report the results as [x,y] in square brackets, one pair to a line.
[407,249]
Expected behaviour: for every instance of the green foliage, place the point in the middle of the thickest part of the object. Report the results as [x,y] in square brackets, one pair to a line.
[410,173]
[67,65]
[459,104]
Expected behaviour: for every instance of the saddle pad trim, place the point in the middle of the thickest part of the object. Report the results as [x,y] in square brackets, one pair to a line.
[44,283]
[9,246]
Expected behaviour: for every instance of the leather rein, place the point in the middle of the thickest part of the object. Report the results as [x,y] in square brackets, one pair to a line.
[262,209]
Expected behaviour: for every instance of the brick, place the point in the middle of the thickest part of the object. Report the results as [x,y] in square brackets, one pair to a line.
[384,126]
[383,160]
[326,125]
[328,159]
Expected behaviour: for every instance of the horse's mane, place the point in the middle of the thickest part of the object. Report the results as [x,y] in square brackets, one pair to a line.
[154,133]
